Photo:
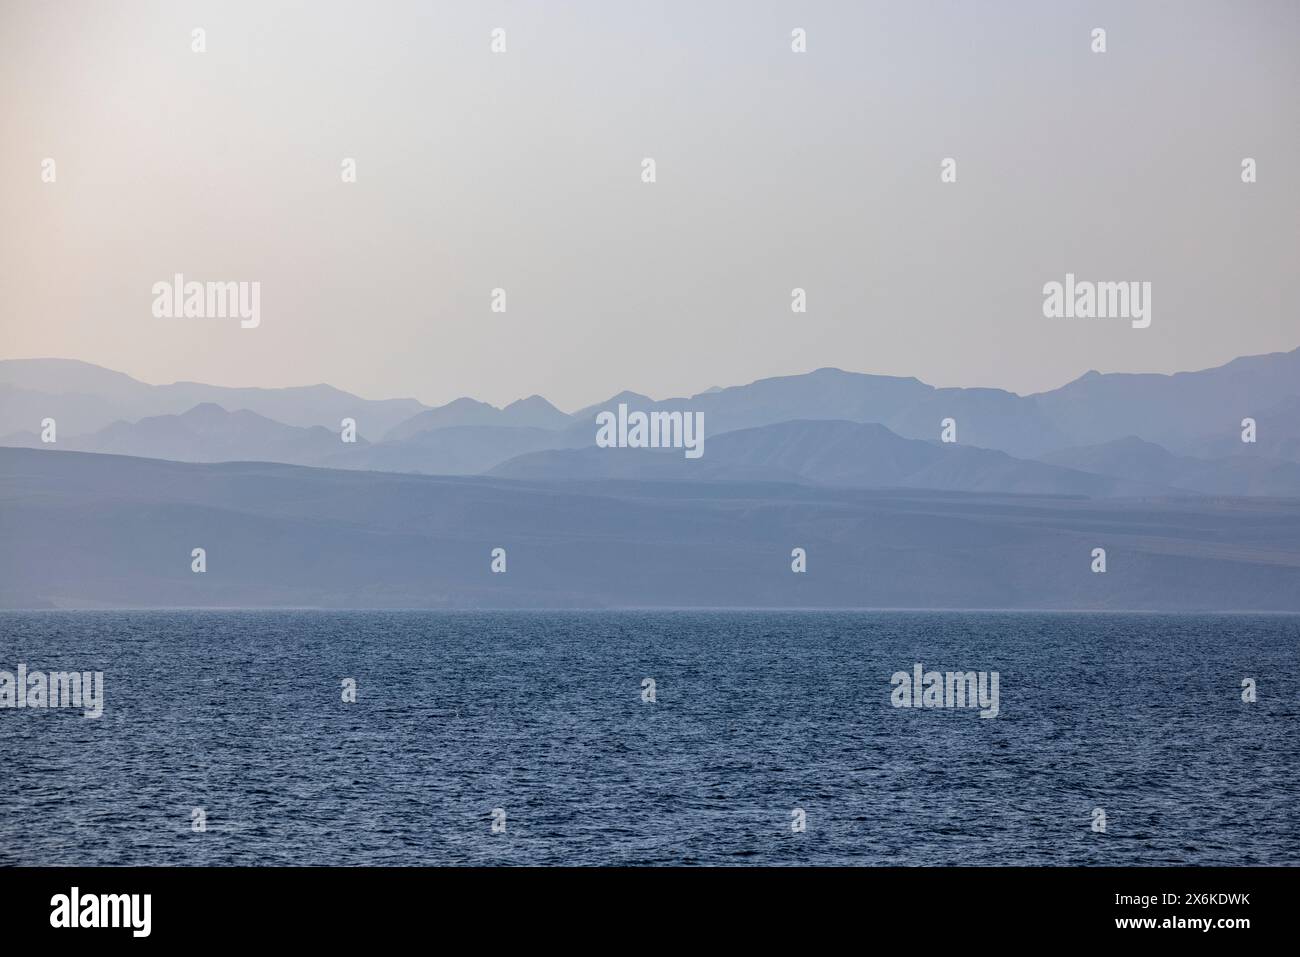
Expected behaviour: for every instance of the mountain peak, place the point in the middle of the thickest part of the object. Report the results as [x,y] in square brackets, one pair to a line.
[465,402]
[205,410]
[531,402]
[534,412]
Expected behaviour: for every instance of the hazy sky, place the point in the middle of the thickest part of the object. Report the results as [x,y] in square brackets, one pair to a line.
[522,170]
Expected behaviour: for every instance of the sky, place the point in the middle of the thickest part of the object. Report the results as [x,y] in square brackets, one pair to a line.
[522,170]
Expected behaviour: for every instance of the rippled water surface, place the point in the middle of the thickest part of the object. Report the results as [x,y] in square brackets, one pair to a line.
[756,714]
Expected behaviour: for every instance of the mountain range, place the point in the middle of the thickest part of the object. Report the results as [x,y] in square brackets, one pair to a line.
[1102,435]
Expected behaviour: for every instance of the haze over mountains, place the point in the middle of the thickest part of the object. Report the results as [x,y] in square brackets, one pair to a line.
[847,466]
[1099,436]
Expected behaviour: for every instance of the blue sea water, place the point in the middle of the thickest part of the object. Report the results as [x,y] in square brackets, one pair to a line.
[756,714]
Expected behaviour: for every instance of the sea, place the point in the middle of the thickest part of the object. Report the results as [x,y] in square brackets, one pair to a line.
[651,738]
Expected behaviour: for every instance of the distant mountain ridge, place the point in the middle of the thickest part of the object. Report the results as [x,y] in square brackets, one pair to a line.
[1071,440]
[84,398]
[1136,460]
[533,412]
[822,452]
[208,433]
